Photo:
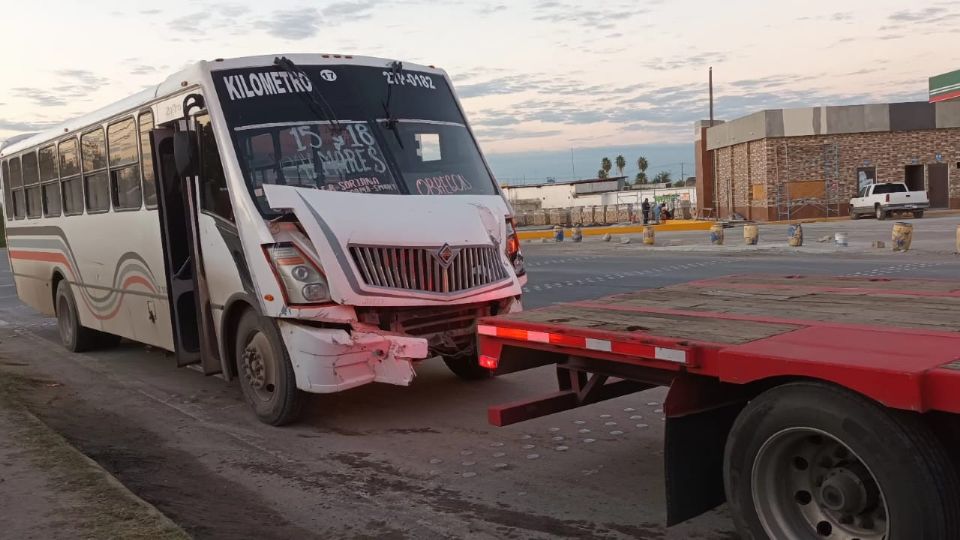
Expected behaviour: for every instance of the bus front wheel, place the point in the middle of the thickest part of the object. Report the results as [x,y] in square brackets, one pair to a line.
[810,460]
[265,372]
[467,367]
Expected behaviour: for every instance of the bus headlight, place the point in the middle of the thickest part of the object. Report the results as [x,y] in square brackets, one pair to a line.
[302,280]
[512,248]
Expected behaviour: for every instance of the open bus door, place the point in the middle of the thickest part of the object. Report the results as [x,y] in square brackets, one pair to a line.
[177,151]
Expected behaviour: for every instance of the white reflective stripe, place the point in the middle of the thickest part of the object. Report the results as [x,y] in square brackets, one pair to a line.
[485,330]
[599,345]
[539,337]
[672,355]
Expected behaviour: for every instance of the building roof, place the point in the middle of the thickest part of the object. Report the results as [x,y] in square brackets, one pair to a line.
[835,120]
[566,182]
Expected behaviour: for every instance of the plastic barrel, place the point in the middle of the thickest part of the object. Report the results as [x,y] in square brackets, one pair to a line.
[716,234]
[577,234]
[902,236]
[751,234]
[795,235]
[648,235]
[840,239]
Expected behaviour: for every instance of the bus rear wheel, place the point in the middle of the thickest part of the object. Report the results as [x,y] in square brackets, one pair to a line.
[266,375]
[810,460]
[74,336]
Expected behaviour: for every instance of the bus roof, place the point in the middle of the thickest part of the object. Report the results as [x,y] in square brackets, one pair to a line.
[190,75]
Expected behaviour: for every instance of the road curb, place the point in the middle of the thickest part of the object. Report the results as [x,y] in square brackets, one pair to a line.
[621,229]
[81,478]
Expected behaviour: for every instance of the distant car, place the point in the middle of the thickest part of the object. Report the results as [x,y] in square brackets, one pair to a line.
[881,200]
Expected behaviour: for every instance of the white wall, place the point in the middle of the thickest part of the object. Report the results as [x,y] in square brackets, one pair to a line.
[562,196]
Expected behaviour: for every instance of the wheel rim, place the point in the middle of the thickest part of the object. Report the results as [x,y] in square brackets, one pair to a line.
[808,484]
[260,368]
[65,320]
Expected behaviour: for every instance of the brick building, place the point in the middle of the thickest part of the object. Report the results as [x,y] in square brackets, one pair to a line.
[809,162]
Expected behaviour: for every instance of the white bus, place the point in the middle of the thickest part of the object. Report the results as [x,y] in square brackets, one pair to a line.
[308,223]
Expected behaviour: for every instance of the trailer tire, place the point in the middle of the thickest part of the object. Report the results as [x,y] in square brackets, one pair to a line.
[890,471]
[74,336]
[467,367]
[266,375]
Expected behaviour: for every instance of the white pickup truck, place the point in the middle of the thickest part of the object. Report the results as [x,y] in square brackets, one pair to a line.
[882,200]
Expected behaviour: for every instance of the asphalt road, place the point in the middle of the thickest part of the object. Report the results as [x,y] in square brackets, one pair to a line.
[391,462]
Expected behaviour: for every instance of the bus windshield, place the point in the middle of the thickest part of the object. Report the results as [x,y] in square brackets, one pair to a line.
[411,139]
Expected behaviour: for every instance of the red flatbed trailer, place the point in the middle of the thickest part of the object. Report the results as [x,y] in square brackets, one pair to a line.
[818,407]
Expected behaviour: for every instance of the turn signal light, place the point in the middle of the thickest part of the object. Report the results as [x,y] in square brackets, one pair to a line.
[489,362]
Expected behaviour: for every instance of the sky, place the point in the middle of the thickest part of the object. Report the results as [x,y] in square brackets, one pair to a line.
[537,77]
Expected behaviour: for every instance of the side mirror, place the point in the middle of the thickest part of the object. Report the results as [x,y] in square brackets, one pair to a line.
[185,152]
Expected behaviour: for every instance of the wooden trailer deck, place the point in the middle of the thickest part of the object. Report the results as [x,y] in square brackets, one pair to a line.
[897,340]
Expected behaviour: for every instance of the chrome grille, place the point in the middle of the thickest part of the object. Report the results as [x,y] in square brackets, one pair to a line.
[424,269]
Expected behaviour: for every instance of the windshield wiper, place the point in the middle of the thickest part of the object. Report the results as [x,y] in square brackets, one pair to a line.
[396,69]
[314,98]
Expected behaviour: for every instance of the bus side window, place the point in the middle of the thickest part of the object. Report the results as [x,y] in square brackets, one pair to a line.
[96,183]
[16,184]
[7,194]
[50,180]
[124,165]
[70,183]
[146,160]
[214,196]
[31,182]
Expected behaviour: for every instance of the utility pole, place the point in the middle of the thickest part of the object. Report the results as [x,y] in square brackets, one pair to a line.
[711,96]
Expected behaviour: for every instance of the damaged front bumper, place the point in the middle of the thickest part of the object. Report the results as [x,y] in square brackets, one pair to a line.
[327,360]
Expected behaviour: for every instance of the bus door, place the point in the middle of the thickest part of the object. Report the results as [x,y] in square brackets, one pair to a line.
[180,150]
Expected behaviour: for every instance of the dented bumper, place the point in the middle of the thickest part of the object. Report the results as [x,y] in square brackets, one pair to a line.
[329,360]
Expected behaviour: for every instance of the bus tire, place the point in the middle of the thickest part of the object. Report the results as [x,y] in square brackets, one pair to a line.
[266,375]
[467,367]
[804,459]
[74,336]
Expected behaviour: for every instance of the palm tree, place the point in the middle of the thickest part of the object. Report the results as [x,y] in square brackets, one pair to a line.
[662,177]
[642,165]
[606,165]
[601,173]
[621,163]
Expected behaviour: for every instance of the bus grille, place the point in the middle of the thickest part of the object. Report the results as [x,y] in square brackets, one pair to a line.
[446,269]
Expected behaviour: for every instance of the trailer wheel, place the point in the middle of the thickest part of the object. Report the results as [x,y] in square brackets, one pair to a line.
[467,367]
[810,460]
[74,336]
[266,375]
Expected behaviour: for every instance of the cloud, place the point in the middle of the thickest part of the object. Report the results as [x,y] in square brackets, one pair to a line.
[293,24]
[603,19]
[917,15]
[491,9]
[355,10]
[73,85]
[22,127]
[506,134]
[686,61]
